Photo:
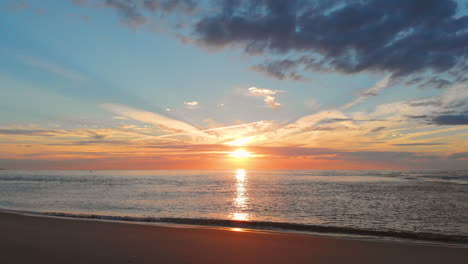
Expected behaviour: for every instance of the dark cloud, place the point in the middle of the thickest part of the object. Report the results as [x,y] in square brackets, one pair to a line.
[170,5]
[419,144]
[333,120]
[377,129]
[129,11]
[426,102]
[338,120]
[98,136]
[459,155]
[441,112]
[399,36]
[425,118]
[436,82]
[461,119]
[386,156]
[414,80]
[282,69]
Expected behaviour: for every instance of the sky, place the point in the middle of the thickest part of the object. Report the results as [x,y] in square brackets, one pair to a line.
[226,84]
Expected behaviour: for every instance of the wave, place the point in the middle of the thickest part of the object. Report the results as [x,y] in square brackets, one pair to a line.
[260,225]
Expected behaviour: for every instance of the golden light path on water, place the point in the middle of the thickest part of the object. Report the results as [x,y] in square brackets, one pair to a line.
[240,200]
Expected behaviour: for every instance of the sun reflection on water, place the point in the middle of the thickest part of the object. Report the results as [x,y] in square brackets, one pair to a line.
[240,200]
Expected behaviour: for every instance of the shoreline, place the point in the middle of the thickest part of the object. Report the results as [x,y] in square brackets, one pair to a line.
[253,226]
[31,239]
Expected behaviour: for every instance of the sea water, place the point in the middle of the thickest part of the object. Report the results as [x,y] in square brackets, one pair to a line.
[423,204]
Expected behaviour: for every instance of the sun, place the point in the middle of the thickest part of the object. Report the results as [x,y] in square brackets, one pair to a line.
[240,153]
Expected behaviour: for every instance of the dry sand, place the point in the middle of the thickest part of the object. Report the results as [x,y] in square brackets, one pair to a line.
[31,239]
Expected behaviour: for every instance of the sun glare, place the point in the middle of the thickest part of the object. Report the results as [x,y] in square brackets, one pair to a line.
[240,153]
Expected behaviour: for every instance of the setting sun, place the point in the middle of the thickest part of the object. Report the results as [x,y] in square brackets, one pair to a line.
[240,153]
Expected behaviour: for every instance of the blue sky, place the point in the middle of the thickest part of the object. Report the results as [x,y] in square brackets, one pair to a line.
[74,65]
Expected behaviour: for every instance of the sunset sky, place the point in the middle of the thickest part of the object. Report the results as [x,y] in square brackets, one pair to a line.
[264,84]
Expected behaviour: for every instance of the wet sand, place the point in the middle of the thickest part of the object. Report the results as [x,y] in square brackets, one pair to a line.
[32,239]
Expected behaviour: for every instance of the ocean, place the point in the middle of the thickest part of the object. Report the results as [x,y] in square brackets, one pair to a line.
[416,205]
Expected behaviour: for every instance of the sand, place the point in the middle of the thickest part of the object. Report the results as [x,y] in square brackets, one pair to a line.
[32,239]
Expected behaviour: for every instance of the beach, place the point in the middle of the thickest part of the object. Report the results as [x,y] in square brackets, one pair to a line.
[37,239]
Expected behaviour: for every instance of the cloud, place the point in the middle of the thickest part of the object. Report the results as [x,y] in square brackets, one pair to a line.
[191,103]
[162,122]
[393,123]
[377,129]
[281,69]
[129,11]
[137,13]
[372,91]
[299,128]
[459,155]
[448,108]
[267,94]
[396,37]
[193,134]
[51,67]
[419,144]
[436,82]
[345,36]
[451,120]
[168,6]
[30,132]
[282,151]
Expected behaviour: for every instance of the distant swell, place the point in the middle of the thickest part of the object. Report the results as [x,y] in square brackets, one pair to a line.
[430,237]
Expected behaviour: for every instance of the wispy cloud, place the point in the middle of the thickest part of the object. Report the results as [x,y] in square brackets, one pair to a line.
[177,128]
[162,122]
[30,132]
[51,67]
[372,91]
